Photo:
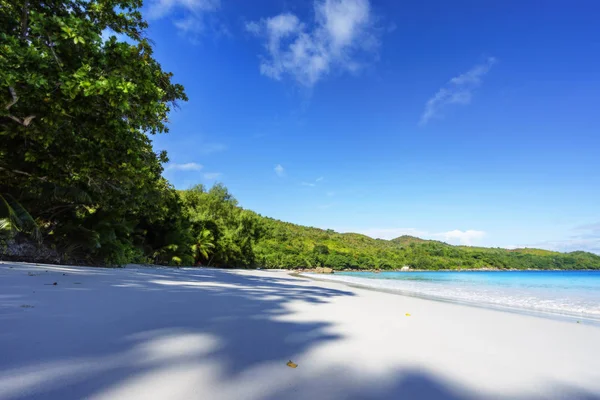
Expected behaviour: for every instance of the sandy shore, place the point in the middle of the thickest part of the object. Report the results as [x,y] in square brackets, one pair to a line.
[156,333]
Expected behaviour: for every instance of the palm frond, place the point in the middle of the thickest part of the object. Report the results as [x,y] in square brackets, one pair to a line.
[17,219]
[72,194]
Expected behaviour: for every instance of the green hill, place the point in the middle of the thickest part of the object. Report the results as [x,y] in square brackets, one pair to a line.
[286,245]
[246,239]
[407,239]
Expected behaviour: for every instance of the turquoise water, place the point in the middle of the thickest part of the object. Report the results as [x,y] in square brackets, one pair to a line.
[564,293]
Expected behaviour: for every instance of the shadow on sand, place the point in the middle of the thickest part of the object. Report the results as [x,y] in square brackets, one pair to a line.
[171,330]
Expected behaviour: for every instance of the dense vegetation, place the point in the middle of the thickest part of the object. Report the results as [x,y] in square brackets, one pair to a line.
[77,113]
[290,246]
[81,183]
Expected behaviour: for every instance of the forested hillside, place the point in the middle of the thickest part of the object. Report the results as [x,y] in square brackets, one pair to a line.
[81,183]
[289,246]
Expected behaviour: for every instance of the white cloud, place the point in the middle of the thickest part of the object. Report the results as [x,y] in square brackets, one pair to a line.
[592,245]
[161,8]
[342,31]
[192,166]
[591,228]
[190,13]
[587,239]
[279,170]
[189,24]
[467,238]
[459,90]
[253,27]
[313,184]
[567,245]
[212,175]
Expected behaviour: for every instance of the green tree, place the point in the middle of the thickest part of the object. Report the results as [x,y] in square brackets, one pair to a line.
[203,245]
[234,230]
[77,111]
[15,219]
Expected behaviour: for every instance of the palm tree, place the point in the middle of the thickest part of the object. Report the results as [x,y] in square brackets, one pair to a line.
[14,218]
[203,246]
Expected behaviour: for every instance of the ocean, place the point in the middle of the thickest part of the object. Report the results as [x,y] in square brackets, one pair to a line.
[567,294]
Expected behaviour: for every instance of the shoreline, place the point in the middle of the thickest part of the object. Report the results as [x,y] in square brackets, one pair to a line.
[548,314]
[8,260]
[376,271]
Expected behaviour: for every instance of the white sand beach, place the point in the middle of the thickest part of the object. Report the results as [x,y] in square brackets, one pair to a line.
[163,333]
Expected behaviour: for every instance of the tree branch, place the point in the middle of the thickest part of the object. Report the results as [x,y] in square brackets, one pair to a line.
[16,171]
[14,96]
[25,22]
[54,54]
[25,121]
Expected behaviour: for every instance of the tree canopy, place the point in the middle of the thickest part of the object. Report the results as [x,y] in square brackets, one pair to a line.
[77,114]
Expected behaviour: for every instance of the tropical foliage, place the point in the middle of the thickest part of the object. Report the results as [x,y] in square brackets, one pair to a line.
[15,219]
[77,112]
[225,234]
[287,245]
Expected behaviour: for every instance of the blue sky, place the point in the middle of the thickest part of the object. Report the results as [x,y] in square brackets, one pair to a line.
[472,122]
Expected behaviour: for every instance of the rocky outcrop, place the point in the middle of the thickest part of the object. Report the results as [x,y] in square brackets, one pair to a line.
[28,251]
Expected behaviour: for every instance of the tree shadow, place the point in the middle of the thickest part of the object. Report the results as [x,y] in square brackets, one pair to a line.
[165,333]
[405,384]
[75,324]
